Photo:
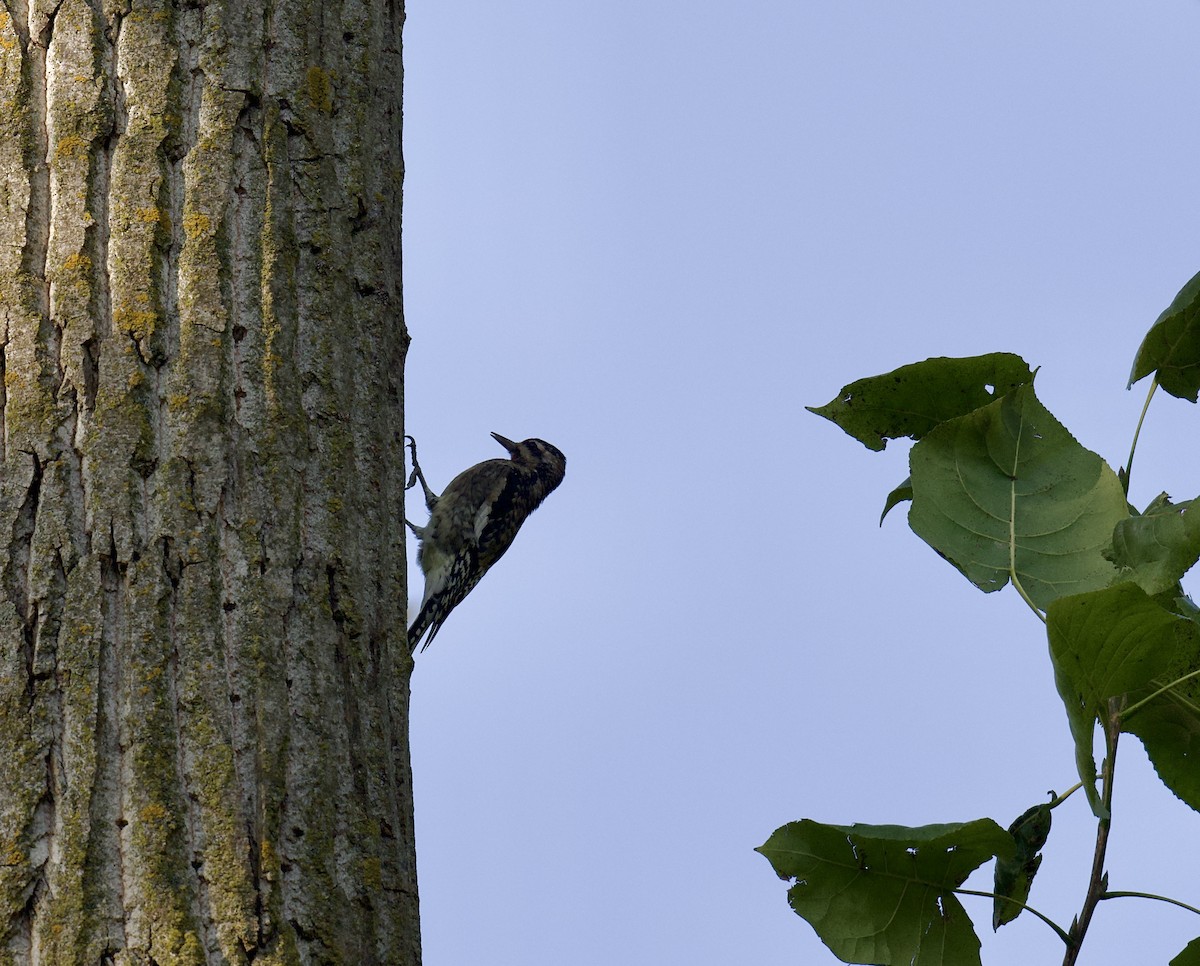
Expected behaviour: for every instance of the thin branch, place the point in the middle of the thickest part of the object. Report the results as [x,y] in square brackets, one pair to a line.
[1098,883]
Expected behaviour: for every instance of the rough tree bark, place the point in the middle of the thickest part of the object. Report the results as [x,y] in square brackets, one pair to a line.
[203,678]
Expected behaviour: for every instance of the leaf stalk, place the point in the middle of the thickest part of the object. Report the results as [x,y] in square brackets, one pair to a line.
[1138,432]
[1128,712]
[1062,933]
[1150,895]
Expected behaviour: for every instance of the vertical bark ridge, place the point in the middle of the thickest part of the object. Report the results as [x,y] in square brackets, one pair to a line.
[202,612]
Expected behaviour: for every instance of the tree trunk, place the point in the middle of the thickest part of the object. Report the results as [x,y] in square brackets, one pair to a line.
[203,677]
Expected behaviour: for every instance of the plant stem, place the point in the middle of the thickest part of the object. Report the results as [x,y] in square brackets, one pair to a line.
[1059,799]
[1098,883]
[1128,712]
[1016,582]
[1047,919]
[1062,933]
[1150,895]
[1138,432]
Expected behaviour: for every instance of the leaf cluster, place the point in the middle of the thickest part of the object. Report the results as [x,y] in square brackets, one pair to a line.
[999,488]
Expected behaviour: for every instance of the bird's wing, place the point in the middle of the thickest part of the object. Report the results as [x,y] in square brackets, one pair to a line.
[499,518]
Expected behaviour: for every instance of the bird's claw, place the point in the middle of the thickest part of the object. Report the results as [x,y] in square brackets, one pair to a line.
[412,477]
[416,476]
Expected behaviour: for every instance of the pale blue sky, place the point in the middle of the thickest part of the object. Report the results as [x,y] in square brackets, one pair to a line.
[652,232]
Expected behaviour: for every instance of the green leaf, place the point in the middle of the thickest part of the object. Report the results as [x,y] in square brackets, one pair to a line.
[898,495]
[1007,490]
[1190,955]
[1169,726]
[884,894]
[1177,602]
[1172,346]
[1119,643]
[912,400]
[1156,549]
[1015,876]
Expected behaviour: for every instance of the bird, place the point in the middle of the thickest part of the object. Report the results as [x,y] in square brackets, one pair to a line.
[474,521]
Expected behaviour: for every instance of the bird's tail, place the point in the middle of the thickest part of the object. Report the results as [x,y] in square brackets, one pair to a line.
[427,620]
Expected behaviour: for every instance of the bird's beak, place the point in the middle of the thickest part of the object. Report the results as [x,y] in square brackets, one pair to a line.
[508,444]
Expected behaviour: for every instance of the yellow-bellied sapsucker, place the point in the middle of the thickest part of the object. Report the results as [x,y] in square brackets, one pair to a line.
[474,521]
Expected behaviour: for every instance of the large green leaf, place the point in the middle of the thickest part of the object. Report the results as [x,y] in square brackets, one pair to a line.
[1007,490]
[1172,346]
[913,399]
[1119,643]
[1156,549]
[884,894]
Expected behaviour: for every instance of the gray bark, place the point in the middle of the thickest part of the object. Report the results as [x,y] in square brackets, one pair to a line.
[203,678]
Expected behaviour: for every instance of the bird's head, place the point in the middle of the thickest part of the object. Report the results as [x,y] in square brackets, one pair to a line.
[536,454]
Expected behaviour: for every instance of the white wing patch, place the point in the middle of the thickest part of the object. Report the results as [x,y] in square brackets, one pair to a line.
[481,520]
